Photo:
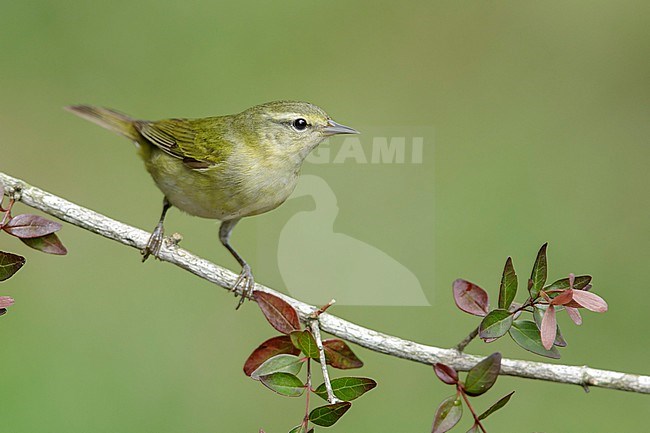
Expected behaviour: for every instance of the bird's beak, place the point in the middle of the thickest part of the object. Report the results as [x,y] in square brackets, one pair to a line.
[333,128]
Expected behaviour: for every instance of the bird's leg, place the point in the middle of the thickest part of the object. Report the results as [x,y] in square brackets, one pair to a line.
[245,278]
[155,241]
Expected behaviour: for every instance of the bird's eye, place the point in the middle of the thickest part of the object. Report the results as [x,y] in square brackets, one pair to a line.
[300,124]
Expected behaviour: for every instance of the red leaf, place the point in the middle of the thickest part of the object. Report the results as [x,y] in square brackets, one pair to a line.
[6,301]
[549,327]
[339,355]
[590,301]
[30,226]
[574,314]
[470,298]
[563,298]
[278,312]
[268,349]
[445,373]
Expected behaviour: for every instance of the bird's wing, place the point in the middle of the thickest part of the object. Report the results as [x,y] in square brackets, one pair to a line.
[182,139]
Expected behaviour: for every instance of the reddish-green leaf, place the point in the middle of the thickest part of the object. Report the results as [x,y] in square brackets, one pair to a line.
[10,264]
[347,388]
[549,327]
[279,363]
[482,376]
[495,324]
[30,226]
[304,341]
[445,373]
[471,298]
[448,414]
[328,415]
[574,314]
[278,312]
[271,347]
[496,406]
[48,244]
[590,301]
[538,275]
[508,287]
[526,334]
[580,282]
[285,384]
[339,355]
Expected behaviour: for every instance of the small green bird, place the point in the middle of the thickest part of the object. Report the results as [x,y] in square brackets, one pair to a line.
[225,167]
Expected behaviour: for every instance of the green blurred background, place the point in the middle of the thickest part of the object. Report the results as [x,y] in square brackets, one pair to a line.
[540,112]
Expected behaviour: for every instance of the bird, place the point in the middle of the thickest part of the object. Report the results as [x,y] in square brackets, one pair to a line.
[223,167]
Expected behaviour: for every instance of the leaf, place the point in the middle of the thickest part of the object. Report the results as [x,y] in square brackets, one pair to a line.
[538,275]
[470,298]
[271,347]
[328,415]
[563,298]
[278,312]
[10,264]
[526,334]
[482,376]
[574,314]
[474,429]
[339,355]
[48,244]
[30,226]
[549,327]
[590,301]
[347,388]
[6,301]
[496,406]
[445,373]
[304,341]
[279,363]
[448,414]
[538,315]
[298,429]
[285,384]
[579,283]
[508,288]
[495,324]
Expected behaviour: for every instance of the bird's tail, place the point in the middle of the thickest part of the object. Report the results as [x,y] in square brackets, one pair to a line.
[106,118]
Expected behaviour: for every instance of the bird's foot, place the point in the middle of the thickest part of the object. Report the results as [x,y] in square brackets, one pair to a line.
[154,243]
[247,284]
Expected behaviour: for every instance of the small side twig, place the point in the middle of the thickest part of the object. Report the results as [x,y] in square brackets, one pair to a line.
[315,330]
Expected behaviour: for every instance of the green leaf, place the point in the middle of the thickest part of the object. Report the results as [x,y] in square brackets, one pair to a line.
[328,415]
[470,298]
[10,264]
[495,324]
[482,376]
[278,312]
[271,347]
[48,244]
[304,341]
[448,414]
[279,363]
[538,275]
[526,334]
[339,355]
[284,384]
[347,388]
[298,429]
[508,288]
[30,226]
[496,406]
[579,283]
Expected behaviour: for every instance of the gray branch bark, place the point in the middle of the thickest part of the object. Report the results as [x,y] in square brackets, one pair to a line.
[368,338]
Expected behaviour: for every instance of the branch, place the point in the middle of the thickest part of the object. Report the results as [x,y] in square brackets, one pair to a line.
[368,338]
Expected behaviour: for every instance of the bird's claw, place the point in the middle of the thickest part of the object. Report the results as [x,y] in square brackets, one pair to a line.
[154,243]
[247,283]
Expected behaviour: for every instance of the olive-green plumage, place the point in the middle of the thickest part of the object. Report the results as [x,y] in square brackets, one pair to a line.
[225,167]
